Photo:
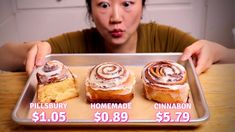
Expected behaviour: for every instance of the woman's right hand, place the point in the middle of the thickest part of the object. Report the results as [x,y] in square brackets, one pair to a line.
[36,55]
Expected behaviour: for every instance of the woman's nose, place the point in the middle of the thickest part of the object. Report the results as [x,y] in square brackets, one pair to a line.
[116,16]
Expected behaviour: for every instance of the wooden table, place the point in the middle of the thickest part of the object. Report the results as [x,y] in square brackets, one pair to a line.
[218,85]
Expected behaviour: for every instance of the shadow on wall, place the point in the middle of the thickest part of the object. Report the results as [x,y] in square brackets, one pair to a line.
[233,36]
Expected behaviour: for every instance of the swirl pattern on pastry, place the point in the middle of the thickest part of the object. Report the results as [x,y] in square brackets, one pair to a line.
[108,76]
[52,71]
[166,74]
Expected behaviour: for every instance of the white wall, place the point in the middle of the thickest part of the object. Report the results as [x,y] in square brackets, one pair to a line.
[27,20]
[186,15]
[220,21]
[8,27]
[234,12]
[41,19]
[233,23]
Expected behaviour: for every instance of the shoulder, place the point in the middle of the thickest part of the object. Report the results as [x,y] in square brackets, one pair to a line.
[163,31]
[157,37]
[91,33]
[83,41]
[156,27]
[94,42]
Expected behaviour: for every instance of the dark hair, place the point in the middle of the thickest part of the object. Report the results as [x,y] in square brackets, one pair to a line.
[88,5]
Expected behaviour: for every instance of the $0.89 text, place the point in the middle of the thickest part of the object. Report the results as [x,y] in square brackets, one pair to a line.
[114,117]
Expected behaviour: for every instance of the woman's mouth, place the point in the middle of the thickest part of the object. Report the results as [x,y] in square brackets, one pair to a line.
[116,33]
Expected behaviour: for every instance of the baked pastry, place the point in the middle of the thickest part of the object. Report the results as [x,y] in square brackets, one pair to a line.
[110,82]
[56,83]
[165,82]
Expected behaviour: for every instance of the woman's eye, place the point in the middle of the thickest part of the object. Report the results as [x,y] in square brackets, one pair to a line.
[128,3]
[104,4]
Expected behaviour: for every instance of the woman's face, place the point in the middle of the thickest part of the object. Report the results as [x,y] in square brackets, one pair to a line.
[116,20]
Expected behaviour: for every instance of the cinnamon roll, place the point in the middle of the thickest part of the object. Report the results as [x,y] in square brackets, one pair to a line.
[56,83]
[110,82]
[165,82]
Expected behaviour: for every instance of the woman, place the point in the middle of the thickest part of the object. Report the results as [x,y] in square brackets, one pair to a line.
[118,30]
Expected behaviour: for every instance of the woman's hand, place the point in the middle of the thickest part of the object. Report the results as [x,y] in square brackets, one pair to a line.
[206,53]
[36,55]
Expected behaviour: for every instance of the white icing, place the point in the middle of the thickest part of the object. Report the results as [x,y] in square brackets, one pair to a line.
[51,73]
[126,86]
[168,71]
[163,80]
[113,76]
[59,73]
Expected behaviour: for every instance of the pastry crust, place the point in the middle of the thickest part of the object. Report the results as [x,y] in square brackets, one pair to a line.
[164,95]
[99,90]
[56,83]
[165,82]
[58,91]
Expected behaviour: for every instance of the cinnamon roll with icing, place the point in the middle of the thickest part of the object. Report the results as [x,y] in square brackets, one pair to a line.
[165,82]
[110,82]
[56,82]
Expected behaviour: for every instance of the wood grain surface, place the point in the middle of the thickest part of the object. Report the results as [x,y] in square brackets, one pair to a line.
[218,85]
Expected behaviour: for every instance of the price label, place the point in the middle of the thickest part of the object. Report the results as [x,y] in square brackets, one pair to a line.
[53,117]
[176,117]
[114,117]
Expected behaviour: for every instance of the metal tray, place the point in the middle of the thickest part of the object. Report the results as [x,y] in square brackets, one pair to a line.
[77,63]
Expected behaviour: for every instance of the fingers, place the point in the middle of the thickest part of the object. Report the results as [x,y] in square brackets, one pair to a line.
[200,64]
[202,67]
[205,58]
[36,55]
[30,60]
[191,50]
[43,50]
[200,53]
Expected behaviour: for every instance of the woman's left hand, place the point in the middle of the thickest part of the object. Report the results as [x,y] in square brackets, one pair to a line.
[205,54]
